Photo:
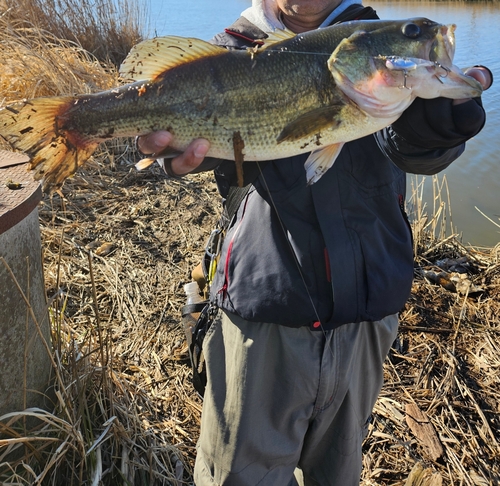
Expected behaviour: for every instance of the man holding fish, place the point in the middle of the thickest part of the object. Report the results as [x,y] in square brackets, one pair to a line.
[311,130]
[311,276]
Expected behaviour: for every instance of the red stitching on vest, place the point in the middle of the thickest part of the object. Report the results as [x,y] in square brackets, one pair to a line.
[244,37]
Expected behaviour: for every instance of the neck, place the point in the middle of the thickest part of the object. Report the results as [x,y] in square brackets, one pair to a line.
[300,25]
[304,19]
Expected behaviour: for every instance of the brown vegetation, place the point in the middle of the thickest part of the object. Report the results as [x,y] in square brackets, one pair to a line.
[106,29]
[118,246]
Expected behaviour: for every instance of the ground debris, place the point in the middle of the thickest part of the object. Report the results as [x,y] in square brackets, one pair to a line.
[423,430]
[136,236]
[423,476]
[446,362]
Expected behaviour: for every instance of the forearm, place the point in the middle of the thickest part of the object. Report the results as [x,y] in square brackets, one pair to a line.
[413,159]
[431,134]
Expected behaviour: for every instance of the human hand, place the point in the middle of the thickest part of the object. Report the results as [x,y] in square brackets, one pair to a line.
[481,74]
[441,122]
[155,143]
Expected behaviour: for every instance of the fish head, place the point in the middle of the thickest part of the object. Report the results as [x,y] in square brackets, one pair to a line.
[383,66]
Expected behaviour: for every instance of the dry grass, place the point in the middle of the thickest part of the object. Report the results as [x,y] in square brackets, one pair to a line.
[445,362]
[105,28]
[35,63]
[118,246]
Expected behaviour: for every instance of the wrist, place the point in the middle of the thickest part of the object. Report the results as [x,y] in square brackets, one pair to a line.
[166,164]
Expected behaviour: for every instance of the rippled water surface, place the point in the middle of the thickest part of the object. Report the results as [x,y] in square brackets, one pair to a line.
[474,179]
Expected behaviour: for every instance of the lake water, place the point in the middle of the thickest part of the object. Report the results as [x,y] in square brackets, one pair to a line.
[474,179]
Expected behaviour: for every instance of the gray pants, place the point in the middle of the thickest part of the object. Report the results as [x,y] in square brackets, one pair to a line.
[279,398]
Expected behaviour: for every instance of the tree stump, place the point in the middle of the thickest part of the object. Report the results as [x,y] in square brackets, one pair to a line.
[25,361]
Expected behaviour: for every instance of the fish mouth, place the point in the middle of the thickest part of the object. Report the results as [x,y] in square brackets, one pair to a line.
[442,49]
[442,53]
[455,78]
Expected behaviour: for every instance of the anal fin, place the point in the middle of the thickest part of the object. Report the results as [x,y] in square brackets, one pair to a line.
[144,163]
[320,161]
[167,153]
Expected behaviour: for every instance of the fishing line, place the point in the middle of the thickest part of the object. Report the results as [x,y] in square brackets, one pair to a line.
[328,342]
[286,51]
[296,260]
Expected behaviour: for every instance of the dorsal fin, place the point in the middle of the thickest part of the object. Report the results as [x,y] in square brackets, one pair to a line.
[148,59]
[278,35]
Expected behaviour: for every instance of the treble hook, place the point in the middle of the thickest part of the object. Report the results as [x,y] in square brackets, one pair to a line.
[444,68]
[395,63]
[405,77]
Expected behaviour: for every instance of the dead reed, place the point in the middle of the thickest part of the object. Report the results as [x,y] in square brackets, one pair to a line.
[107,29]
[126,410]
[119,245]
[437,419]
[36,63]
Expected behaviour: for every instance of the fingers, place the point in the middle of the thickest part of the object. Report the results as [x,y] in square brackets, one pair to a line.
[191,158]
[481,74]
[156,142]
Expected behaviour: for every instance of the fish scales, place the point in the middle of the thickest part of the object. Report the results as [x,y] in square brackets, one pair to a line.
[309,92]
[205,99]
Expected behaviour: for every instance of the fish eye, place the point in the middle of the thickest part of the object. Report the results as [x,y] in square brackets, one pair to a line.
[411,30]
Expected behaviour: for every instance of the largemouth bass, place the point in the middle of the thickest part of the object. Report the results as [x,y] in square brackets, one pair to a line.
[309,92]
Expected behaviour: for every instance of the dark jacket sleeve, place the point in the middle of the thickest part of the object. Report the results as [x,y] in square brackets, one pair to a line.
[209,163]
[431,134]
[413,159]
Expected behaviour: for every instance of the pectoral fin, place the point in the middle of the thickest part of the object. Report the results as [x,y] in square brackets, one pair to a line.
[320,161]
[168,153]
[144,163]
[311,123]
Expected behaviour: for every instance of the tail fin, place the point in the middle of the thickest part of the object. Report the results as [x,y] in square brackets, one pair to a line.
[31,127]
